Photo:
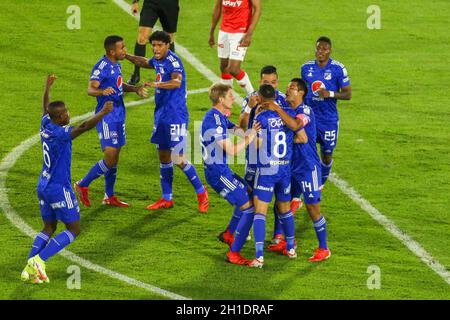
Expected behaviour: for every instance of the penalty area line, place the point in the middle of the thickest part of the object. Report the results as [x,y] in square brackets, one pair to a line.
[9,161]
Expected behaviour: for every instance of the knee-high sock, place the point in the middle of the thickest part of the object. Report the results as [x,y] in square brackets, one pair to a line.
[227,78]
[39,243]
[259,231]
[110,180]
[244,81]
[277,227]
[325,171]
[139,50]
[191,174]
[287,221]
[57,244]
[98,169]
[166,179]
[243,228]
[321,231]
[237,214]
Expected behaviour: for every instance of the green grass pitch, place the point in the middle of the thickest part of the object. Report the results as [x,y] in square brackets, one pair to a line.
[393,149]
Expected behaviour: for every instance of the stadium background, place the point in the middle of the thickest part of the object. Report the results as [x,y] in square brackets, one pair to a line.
[393,149]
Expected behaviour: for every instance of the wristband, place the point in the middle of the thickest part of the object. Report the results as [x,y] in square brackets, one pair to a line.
[247,109]
[331,94]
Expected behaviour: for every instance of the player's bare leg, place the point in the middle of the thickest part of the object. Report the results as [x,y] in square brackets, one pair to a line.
[234,68]
[226,76]
[322,252]
[111,158]
[139,50]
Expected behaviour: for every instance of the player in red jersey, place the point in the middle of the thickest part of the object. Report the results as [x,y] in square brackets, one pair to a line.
[239,20]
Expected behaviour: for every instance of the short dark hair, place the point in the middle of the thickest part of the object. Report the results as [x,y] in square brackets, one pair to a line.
[110,42]
[160,36]
[324,39]
[268,70]
[54,108]
[266,91]
[301,85]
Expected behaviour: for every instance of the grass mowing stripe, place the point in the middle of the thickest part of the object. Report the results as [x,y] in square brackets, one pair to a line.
[387,224]
[9,161]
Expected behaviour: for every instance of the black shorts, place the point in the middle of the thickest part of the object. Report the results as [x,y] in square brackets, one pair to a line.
[165,10]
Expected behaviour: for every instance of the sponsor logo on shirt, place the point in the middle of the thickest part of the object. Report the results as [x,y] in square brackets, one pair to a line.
[231,3]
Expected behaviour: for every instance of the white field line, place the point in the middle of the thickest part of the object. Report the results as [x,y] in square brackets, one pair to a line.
[8,162]
[390,226]
[412,245]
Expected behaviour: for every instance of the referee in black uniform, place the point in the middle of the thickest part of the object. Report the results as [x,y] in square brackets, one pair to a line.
[167,12]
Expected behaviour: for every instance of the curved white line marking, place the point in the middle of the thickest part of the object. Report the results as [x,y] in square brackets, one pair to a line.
[8,162]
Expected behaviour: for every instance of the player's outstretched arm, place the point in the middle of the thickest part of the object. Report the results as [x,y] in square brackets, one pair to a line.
[141,91]
[174,83]
[141,62]
[233,149]
[257,9]
[344,94]
[95,91]
[92,121]
[301,137]
[217,12]
[292,123]
[245,116]
[46,98]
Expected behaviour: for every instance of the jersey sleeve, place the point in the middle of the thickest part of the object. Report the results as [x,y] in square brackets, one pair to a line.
[303,73]
[343,78]
[63,133]
[216,130]
[177,67]
[97,74]
[304,115]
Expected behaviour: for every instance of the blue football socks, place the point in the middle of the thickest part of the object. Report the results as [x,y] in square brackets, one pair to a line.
[39,243]
[57,244]
[287,222]
[166,179]
[243,228]
[191,174]
[259,231]
[321,231]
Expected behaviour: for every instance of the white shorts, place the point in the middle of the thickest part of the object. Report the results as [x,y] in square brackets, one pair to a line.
[228,46]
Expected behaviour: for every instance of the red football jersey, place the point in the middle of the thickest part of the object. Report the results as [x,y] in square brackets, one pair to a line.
[236,15]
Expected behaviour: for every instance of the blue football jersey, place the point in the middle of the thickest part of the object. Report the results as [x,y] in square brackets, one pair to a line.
[57,151]
[215,127]
[110,75]
[280,99]
[332,77]
[305,155]
[170,104]
[276,147]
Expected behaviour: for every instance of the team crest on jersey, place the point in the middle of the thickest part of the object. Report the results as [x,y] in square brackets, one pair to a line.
[327,75]
[316,86]
[119,82]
